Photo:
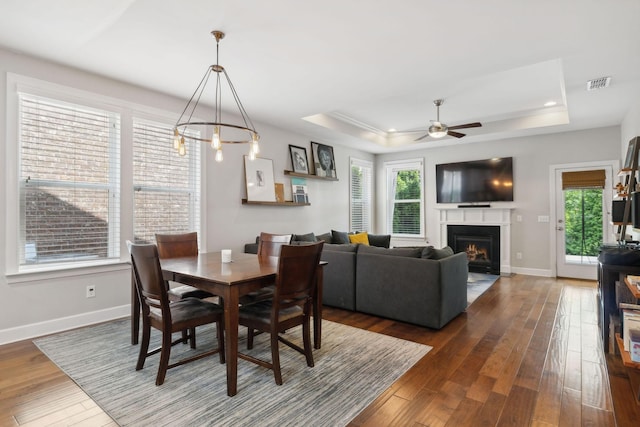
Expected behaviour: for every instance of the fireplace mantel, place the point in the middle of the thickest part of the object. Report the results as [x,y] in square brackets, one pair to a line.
[481,216]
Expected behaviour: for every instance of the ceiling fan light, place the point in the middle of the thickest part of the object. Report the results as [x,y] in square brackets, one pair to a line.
[437,130]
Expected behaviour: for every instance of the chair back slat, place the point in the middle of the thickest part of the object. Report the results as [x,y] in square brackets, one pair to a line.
[148,278]
[269,244]
[177,245]
[296,279]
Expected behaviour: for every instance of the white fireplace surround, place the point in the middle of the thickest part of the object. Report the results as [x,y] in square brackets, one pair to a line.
[482,216]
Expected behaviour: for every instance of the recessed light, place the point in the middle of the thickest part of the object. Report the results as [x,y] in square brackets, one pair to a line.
[550,103]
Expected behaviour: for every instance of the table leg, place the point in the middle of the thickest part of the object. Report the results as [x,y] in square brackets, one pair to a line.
[231,301]
[135,311]
[317,309]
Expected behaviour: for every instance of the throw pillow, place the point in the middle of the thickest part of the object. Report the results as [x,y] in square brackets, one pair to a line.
[362,238]
[309,237]
[380,240]
[339,236]
[433,253]
[326,237]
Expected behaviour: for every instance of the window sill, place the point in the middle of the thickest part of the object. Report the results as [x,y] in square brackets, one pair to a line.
[39,273]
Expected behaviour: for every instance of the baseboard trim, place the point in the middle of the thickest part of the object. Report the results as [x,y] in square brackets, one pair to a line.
[532,271]
[33,330]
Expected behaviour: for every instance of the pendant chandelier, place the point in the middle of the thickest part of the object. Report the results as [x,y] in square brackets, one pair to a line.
[188,128]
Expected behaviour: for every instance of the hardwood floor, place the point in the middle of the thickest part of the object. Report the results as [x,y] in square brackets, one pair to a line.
[526,353]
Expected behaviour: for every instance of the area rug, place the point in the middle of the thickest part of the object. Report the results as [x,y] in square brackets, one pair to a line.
[351,369]
[477,284]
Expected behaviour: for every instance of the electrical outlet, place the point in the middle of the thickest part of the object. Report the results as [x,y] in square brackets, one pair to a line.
[91,291]
[518,255]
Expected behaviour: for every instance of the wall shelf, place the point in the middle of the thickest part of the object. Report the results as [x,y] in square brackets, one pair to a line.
[307,175]
[249,202]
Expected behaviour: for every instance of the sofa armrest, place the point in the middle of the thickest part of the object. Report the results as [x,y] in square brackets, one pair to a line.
[339,285]
[251,248]
[454,273]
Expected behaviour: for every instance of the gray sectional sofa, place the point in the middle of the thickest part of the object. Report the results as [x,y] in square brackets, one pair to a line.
[405,284]
[423,286]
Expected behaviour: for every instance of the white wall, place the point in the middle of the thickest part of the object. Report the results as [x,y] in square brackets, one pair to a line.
[41,304]
[231,224]
[532,157]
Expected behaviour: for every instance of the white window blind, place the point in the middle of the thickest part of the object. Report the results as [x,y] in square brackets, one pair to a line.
[69,182]
[166,185]
[361,195]
[405,200]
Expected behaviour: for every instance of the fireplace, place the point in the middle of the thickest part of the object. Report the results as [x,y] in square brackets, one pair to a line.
[480,242]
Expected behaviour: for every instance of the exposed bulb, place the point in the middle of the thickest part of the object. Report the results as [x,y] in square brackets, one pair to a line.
[252,155]
[219,155]
[176,139]
[182,149]
[215,139]
[255,148]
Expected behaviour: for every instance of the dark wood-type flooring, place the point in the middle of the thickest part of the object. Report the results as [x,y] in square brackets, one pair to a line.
[526,353]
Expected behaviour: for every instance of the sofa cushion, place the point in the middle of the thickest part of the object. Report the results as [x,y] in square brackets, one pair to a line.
[325,237]
[339,236]
[309,237]
[380,240]
[404,252]
[362,238]
[432,253]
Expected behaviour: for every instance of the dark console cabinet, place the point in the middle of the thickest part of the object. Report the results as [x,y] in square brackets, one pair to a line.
[608,274]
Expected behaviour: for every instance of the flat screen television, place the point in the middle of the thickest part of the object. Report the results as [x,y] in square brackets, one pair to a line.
[489,180]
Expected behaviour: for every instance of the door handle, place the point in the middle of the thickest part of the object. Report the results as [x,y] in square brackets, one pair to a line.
[559,228]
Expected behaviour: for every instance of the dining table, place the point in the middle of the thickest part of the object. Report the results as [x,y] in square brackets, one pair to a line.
[230,280]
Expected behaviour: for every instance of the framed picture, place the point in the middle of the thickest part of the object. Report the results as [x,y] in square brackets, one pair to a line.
[323,160]
[259,179]
[629,160]
[299,159]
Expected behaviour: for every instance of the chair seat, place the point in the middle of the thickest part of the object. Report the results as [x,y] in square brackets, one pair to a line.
[261,311]
[260,295]
[185,291]
[186,309]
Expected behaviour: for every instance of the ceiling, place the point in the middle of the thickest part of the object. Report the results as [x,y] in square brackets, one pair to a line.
[345,72]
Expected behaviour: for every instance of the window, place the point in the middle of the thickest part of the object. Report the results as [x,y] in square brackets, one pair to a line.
[69,181]
[360,197]
[405,198]
[166,185]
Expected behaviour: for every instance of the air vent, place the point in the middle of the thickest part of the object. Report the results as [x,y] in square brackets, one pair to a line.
[599,83]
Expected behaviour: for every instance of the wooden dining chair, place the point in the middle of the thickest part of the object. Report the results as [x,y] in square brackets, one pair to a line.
[178,246]
[268,246]
[169,317]
[291,305]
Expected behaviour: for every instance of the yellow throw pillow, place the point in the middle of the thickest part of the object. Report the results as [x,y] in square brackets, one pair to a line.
[359,238]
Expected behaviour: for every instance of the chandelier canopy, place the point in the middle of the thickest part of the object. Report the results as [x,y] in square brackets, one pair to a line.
[189,128]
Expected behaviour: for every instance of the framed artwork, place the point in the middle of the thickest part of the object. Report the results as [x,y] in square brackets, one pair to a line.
[628,162]
[323,160]
[299,159]
[259,179]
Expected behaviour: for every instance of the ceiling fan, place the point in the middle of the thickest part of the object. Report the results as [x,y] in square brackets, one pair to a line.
[439,129]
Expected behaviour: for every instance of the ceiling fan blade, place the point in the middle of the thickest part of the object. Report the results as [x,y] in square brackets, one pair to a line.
[422,137]
[455,134]
[467,126]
